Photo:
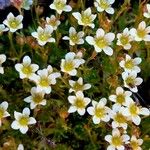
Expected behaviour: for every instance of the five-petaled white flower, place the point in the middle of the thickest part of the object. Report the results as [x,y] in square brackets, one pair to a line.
[22,120]
[99,111]
[135,143]
[116,140]
[70,63]
[3,29]
[119,120]
[79,102]
[60,6]
[102,41]
[53,22]
[36,98]
[43,35]
[78,85]
[45,79]
[13,23]
[26,69]
[74,37]
[86,18]
[141,33]
[132,111]
[104,5]
[124,39]
[131,80]
[3,111]
[120,98]
[2,60]
[147,13]
[130,64]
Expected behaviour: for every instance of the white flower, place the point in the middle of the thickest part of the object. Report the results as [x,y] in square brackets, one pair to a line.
[86,18]
[130,64]
[60,6]
[78,85]
[26,69]
[79,102]
[53,22]
[119,120]
[104,5]
[3,29]
[20,147]
[147,13]
[2,60]
[133,111]
[13,23]
[99,111]
[70,63]
[116,140]
[141,33]
[36,98]
[45,79]
[26,4]
[135,143]
[124,39]
[120,98]
[22,120]
[3,111]
[102,41]
[43,35]
[131,80]
[74,37]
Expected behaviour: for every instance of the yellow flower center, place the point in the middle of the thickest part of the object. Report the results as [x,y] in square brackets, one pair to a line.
[24,120]
[27,70]
[86,19]
[134,145]
[120,99]
[59,5]
[13,23]
[37,98]
[134,110]
[79,103]
[1,113]
[129,64]
[53,22]
[74,38]
[141,33]
[103,4]
[44,81]
[120,118]
[99,112]
[124,39]
[101,42]
[78,87]
[68,66]
[116,141]
[44,36]
[130,81]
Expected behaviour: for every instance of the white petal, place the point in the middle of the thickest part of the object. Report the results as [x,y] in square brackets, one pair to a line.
[144,111]
[26,111]
[32,120]
[90,40]
[27,60]
[72,109]
[108,50]
[90,110]
[4,105]
[24,129]
[81,111]
[15,125]
[136,120]
[96,120]
[108,138]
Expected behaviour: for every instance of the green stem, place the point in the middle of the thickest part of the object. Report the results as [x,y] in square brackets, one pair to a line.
[13,52]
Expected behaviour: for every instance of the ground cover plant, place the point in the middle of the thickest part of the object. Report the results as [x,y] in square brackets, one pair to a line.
[73,75]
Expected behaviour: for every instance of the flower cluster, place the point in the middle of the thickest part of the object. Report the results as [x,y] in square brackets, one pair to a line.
[117,108]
